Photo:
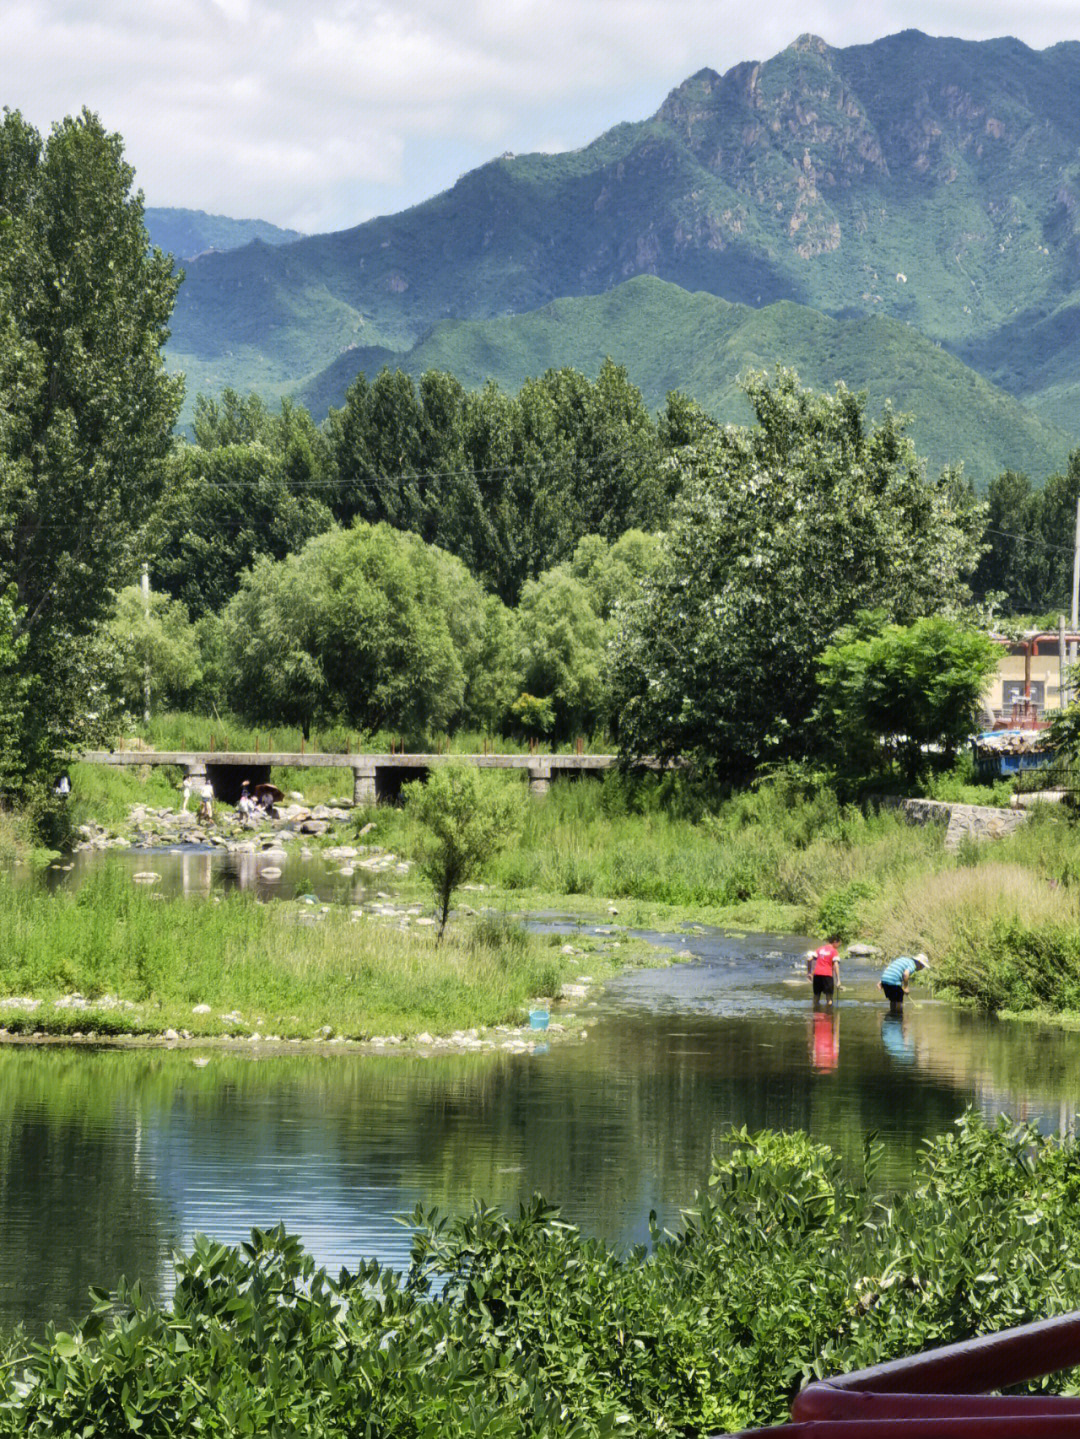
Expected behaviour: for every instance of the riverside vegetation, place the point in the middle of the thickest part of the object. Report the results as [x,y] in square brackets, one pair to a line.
[787,1268]
[789,854]
[144,965]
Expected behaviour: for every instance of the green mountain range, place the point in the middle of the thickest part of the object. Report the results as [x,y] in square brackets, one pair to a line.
[188,233]
[930,182]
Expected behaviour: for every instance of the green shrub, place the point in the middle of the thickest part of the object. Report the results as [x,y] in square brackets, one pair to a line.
[49,816]
[787,1268]
[838,912]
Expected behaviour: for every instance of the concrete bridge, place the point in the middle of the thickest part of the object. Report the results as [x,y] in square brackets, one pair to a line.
[375,776]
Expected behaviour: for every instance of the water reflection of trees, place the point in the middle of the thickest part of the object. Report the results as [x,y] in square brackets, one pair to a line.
[78,1205]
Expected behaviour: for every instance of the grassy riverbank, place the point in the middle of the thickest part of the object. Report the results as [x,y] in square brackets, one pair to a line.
[787,1267]
[150,964]
[1000,920]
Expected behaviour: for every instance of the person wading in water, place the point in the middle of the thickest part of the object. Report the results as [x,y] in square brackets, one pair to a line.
[894,979]
[823,970]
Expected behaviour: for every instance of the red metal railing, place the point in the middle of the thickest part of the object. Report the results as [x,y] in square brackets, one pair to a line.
[941,1394]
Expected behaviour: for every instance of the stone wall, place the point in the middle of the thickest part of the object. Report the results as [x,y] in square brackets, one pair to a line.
[979,821]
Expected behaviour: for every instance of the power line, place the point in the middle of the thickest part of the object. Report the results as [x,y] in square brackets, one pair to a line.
[1029,540]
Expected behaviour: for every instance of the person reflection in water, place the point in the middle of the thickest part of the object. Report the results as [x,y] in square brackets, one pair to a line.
[825,1041]
[894,1036]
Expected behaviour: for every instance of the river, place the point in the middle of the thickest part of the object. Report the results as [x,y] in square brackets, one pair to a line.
[110,1159]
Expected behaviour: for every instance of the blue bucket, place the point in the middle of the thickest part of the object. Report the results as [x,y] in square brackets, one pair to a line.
[538,1019]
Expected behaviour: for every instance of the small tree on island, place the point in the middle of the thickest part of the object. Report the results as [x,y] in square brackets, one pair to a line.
[468,817]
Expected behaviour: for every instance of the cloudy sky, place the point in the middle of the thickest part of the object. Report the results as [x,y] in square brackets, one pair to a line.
[317,114]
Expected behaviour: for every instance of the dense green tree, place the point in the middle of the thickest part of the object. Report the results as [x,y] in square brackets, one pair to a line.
[783,533]
[565,623]
[1057,530]
[891,691]
[230,419]
[87,409]
[224,508]
[154,644]
[14,692]
[561,644]
[1027,567]
[509,484]
[683,422]
[357,627]
[613,574]
[484,633]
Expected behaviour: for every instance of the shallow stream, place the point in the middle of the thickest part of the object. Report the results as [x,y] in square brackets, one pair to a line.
[110,1159]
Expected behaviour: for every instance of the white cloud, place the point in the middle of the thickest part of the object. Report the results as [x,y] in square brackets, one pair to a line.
[318,113]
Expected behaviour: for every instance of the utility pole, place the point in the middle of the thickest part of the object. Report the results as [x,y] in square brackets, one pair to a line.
[1076,585]
[1063,693]
[146,616]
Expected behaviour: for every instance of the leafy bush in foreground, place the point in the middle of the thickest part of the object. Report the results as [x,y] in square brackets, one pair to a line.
[786,1268]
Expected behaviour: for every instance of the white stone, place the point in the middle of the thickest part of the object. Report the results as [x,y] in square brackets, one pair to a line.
[200,1009]
[146,876]
[72,1001]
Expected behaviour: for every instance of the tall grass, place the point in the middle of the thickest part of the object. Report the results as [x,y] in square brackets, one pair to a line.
[1001,921]
[776,843]
[286,969]
[182,730]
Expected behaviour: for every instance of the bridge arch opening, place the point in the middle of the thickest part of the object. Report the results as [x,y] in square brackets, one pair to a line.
[228,778]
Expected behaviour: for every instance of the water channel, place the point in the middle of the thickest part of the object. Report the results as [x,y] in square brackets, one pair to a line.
[110,1159]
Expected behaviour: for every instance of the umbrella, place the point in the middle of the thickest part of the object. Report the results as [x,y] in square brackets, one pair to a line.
[270,789]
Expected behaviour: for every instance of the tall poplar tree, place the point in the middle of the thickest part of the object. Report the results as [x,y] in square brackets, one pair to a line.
[86,408]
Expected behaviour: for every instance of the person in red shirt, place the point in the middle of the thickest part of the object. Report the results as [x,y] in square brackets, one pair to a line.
[823,970]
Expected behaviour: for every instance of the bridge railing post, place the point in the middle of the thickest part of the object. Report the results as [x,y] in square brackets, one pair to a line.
[364,791]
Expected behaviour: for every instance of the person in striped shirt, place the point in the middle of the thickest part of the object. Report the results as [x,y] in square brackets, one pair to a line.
[894,979]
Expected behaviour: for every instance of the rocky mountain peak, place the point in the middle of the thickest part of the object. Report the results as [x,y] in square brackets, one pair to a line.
[810,45]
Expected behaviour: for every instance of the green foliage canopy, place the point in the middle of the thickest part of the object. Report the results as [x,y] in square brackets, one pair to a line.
[507,483]
[152,639]
[889,691]
[783,533]
[255,483]
[366,626]
[1027,566]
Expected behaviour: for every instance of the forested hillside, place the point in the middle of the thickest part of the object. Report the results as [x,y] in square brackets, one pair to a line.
[188,233]
[700,344]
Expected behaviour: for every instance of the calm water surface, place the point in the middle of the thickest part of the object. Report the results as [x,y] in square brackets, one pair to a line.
[109,1160]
